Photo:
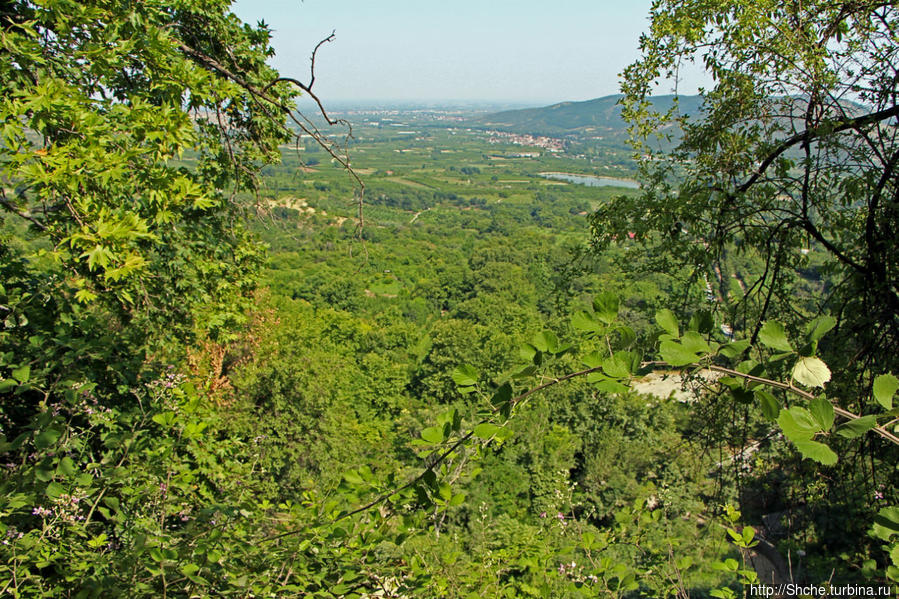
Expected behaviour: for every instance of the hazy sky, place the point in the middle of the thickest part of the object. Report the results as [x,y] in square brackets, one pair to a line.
[523,51]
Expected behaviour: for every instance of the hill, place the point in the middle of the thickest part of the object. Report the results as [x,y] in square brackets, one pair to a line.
[600,115]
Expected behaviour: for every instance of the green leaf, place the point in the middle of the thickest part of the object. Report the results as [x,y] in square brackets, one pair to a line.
[54,490]
[353,478]
[734,349]
[582,321]
[606,306]
[770,405]
[885,386]
[668,322]
[818,452]
[485,430]
[527,352]
[465,375]
[593,359]
[626,336]
[46,438]
[772,335]
[811,372]
[66,466]
[546,341]
[524,373]
[445,491]
[693,342]
[856,427]
[822,411]
[676,354]
[502,395]
[820,326]
[748,535]
[608,385]
[702,322]
[886,523]
[22,374]
[805,428]
[433,434]
[616,366]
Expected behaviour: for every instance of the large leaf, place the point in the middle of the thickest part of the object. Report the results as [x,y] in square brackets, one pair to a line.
[22,374]
[606,307]
[676,354]
[772,335]
[702,322]
[818,452]
[618,366]
[693,341]
[811,372]
[857,427]
[734,349]
[668,322]
[433,434]
[820,326]
[47,437]
[485,430]
[527,352]
[606,384]
[795,430]
[465,375]
[582,321]
[593,359]
[769,404]
[546,341]
[502,395]
[885,387]
[886,523]
[822,411]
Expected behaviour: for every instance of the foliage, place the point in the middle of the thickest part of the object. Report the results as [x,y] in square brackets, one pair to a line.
[790,159]
[456,413]
[774,195]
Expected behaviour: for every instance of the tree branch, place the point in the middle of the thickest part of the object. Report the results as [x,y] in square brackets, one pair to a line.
[810,134]
[12,208]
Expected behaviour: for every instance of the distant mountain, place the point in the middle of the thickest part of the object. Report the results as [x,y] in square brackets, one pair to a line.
[599,116]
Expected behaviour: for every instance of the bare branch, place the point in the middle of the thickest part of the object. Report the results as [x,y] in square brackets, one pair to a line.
[12,208]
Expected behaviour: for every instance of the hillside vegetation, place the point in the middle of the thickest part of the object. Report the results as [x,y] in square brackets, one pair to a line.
[239,359]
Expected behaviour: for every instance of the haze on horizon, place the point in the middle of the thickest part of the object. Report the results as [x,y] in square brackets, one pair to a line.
[518,53]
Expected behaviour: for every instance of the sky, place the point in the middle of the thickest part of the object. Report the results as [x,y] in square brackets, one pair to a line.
[518,52]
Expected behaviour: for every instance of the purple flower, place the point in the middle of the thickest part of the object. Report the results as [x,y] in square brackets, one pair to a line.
[41,511]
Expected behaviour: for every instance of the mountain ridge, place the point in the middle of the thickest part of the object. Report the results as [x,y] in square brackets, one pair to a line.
[569,117]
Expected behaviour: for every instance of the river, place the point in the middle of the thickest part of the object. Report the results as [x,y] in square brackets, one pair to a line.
[592,180]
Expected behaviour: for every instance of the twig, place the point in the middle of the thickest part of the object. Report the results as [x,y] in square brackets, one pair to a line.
[12,208]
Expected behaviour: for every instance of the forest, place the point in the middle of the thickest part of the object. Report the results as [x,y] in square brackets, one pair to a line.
[246,353]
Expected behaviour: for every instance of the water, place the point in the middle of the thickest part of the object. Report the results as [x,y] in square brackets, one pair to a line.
[592,180]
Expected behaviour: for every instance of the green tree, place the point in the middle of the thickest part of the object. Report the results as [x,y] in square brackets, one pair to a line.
[132,135]
[792,159]
[787,180]
[130,131]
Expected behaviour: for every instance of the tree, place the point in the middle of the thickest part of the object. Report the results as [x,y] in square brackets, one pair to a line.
[132,135]
[130,131]
[787,181]
[792,159]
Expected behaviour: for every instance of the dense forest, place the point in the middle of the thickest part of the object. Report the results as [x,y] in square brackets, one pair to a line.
[633,347]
